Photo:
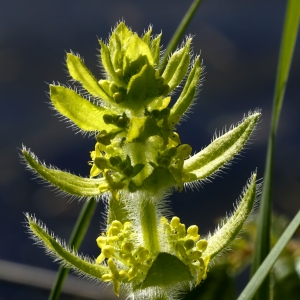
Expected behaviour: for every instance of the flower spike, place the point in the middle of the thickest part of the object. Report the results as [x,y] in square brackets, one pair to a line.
[137,160]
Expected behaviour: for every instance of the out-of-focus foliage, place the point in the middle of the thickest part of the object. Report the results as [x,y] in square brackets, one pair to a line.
[220,283]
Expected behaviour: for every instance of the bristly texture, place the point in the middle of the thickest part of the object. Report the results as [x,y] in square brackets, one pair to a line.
[63,181]
[137,162]
[58,249]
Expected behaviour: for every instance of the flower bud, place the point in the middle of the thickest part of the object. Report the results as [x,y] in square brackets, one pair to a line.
[201,245]
[189,244]
[101,163]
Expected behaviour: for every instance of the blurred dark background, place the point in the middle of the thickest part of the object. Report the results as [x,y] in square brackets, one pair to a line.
[239,44]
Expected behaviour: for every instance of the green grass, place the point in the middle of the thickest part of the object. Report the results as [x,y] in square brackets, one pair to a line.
[262,244]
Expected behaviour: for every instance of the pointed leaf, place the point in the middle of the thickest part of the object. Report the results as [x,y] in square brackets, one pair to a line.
[118,39]
[79,72]
[86,115]
[155,49]
[146,37]
[123,33]
[221,150]
[108,66]
[69,183]
[142,128]
[136,55]
[159,179]
[60,252]
[142,88]
[228,232]
[177,66]
[187,95]
[75,240]
[165,271]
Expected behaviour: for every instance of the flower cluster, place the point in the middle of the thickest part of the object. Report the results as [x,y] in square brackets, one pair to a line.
[138,157]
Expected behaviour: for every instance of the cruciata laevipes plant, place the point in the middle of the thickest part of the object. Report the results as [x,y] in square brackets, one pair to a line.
[137,161]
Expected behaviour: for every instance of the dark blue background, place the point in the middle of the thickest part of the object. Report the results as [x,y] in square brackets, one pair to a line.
[239,43]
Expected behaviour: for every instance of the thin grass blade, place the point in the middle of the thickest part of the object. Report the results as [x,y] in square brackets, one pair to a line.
[262,244]
[266,266]
[76,238]
[179,31]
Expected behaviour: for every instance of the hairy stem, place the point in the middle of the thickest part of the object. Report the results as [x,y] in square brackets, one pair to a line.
[149,226]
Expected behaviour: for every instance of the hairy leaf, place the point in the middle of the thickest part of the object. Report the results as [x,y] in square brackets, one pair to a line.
[177,66]
[221,150]
[86,115]
[69,183]
[80,72]
[166,270]
[188,94]
[65,255]
[228,232]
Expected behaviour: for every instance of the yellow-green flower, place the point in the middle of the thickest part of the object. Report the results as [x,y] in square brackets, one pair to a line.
[138,158]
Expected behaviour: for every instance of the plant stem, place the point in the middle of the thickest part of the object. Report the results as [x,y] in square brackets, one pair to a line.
[179,31]
[262,245]
[75,240]
[149,226]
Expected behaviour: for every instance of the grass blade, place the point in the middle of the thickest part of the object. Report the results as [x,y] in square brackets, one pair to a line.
[179,31]
[76,238]
[264,269]
[262,245]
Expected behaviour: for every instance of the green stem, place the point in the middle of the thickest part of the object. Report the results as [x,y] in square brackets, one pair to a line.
[262,244]
[139,151]
[179,31]
[149,226]
[75,240]
[267,264]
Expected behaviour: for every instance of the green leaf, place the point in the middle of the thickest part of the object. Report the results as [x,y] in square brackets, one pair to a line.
[159,179]
[142,87]
[79,72]
[147,36]
[228,232]
[137,169]
[165,271]
[118,39]
[137,54]
[69,183]
[108,66]
[155,49]
[289,37]
[267,264]
[177,66]
[75,240]
[187,95]
[123,33]
[68,257]
[86,115]
[221,150]
[142,128]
